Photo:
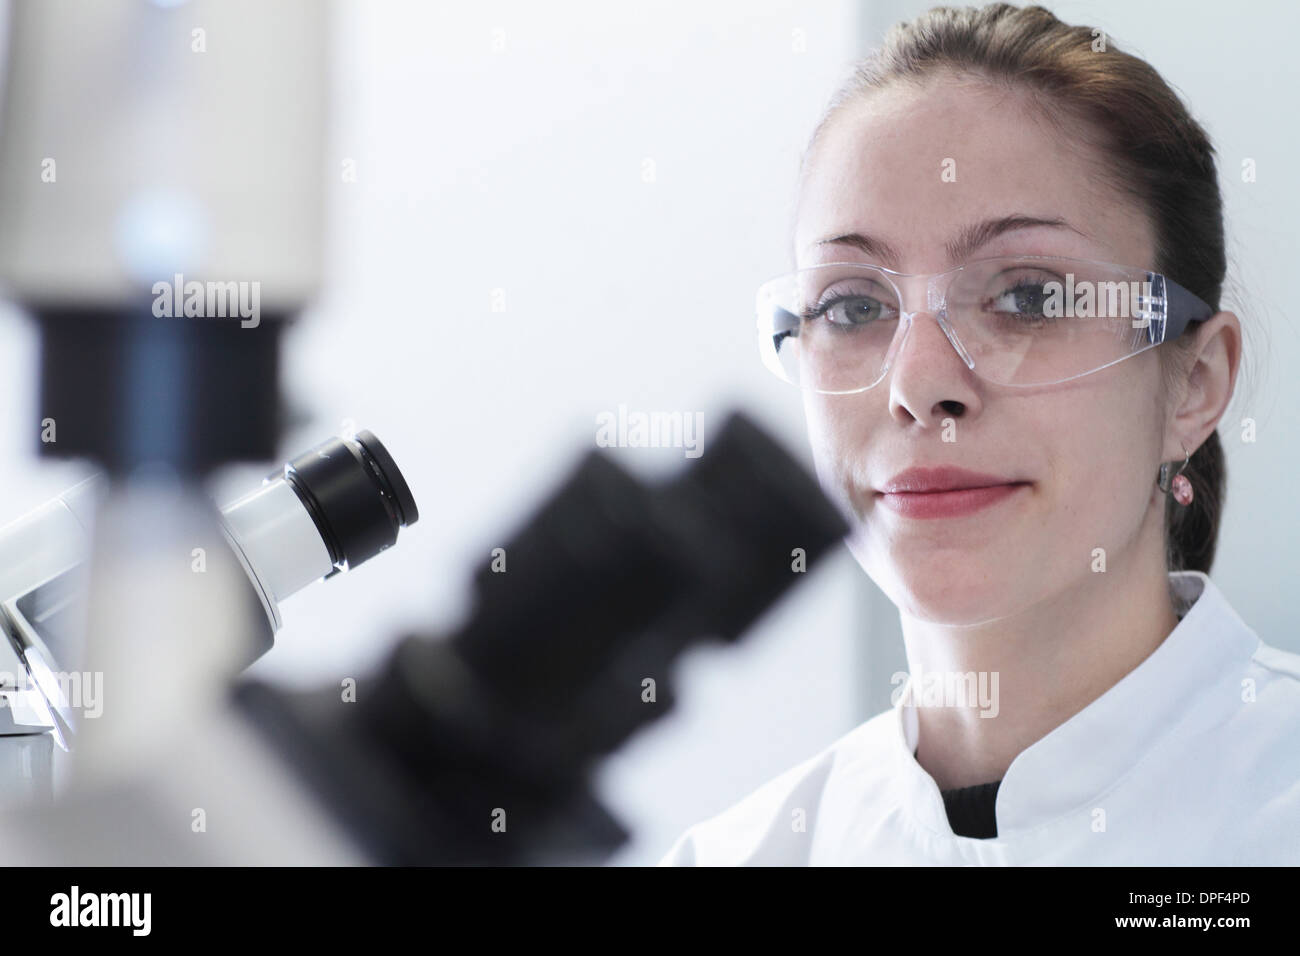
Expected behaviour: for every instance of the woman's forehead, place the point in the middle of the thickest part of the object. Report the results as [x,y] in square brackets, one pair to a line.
[915,166]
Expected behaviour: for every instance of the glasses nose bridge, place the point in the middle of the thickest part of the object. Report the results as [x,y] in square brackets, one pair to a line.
[926,290]
[930,291]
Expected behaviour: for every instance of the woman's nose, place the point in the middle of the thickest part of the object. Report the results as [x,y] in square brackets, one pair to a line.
[929,371]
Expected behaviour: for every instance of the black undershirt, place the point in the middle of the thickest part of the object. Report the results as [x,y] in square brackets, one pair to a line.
[971,809]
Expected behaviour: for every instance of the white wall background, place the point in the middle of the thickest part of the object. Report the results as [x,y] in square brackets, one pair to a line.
[521,170]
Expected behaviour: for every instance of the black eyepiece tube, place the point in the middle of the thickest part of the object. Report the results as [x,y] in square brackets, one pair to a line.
[355,494]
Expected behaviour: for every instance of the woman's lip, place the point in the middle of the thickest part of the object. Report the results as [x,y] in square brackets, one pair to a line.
[942,478]
[948,504]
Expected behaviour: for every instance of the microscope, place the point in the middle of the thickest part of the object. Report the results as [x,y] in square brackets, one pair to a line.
[162,179]
[324,512]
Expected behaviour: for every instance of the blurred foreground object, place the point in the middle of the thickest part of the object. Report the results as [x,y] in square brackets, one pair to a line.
[477,747]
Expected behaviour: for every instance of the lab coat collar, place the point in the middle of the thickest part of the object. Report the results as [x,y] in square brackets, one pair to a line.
[1075,763]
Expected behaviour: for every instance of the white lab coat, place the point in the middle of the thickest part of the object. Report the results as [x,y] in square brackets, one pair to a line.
[1192,758]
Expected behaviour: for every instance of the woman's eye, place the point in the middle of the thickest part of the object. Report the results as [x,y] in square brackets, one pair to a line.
[1026,298]
[850,310]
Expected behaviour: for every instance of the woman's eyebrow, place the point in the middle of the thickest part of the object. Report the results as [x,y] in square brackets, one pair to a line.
[970,239]
[880,251]
[960,248]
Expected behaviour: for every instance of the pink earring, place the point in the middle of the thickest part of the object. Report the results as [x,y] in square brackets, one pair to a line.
[1176,484]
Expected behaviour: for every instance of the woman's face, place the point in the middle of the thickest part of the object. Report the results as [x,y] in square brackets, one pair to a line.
[1088,449]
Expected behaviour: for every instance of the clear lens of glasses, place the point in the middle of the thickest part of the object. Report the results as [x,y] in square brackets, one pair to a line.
[1024,320]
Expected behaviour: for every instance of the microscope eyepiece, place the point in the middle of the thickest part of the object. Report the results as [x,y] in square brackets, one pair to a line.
[389,478]
[323,512]
[355,494]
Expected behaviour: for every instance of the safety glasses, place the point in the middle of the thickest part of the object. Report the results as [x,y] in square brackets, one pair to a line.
[1019,320]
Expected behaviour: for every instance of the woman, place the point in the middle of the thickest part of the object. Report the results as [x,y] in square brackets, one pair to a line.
[1004,321]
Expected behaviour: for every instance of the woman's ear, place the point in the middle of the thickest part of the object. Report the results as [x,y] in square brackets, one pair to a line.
[1211,378]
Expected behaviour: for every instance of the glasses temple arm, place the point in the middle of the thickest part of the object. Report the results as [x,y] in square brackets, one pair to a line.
[1182,308]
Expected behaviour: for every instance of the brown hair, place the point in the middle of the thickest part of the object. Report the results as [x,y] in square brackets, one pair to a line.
[1156,152]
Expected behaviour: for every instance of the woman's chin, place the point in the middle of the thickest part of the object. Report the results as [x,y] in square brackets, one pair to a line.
[950,594]
[943,610]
